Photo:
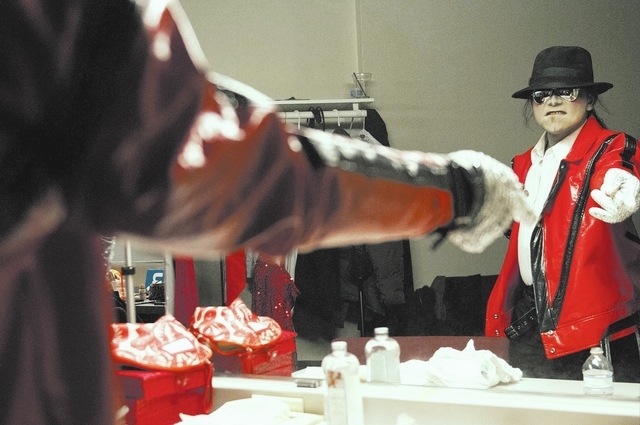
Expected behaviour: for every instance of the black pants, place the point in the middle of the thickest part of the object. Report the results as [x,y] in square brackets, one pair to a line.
[527,353]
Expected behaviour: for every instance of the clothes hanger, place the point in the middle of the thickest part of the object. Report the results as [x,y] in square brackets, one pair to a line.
[339,130]
[365,136]
[317,121]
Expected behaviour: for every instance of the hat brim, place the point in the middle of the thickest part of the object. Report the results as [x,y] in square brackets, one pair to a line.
[525,93]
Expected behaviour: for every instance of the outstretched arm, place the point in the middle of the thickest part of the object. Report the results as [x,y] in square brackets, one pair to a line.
[243,178]
[138,133]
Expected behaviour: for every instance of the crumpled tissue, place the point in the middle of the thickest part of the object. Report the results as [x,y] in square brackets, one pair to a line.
[469,368]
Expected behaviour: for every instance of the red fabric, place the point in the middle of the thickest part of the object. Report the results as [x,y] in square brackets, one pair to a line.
[602,274]
[186,291]
[236,275]
[274,293]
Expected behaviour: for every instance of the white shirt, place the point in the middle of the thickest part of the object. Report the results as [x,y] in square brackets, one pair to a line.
[537,185]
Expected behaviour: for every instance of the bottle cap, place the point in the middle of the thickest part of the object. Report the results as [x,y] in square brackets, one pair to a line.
[339,345]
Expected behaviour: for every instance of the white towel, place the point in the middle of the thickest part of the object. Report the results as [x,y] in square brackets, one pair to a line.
[257,410]
[249,411]
[469,368]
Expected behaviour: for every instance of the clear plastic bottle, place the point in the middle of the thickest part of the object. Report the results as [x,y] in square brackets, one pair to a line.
[597,372]
[383,357]
[343,400]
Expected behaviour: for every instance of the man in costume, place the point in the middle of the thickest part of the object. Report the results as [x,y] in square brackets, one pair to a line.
[574,272]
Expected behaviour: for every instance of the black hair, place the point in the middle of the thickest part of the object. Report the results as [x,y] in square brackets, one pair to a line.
[527,110]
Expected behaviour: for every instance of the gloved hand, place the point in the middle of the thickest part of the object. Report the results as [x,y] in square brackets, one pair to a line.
[619,196]
[504,202]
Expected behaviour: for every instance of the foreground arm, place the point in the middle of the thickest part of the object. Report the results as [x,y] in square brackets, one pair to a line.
[242,178]
[136,136]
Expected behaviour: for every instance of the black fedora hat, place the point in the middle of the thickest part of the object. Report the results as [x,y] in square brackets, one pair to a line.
[561,67]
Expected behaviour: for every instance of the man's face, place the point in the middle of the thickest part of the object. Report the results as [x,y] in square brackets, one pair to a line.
[560,117]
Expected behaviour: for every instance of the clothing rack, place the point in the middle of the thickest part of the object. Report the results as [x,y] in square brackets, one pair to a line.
[326,104]
[298,109]
[332,114]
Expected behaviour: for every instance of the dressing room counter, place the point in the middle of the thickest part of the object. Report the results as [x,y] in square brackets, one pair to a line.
[529,401]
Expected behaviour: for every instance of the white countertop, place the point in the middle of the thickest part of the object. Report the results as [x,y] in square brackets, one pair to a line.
[529,401]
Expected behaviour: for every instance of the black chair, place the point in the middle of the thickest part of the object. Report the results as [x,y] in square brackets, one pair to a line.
[461,303]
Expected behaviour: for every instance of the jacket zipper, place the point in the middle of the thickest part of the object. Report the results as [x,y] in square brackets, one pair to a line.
[548,316]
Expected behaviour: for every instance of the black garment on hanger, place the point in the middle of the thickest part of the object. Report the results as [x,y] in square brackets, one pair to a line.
[318,307]
[324,302]
[378,129]
[375,125]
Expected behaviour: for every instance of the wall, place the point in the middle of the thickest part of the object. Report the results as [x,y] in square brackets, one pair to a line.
[284,48]
[443,71]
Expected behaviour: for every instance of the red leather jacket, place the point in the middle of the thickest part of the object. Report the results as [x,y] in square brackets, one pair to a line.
[586,272]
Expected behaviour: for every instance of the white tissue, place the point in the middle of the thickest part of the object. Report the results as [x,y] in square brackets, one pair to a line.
[469,368]
[310,372]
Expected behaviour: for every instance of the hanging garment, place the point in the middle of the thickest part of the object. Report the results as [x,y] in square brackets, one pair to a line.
[235,275]
[378,269]
[274,293]
[376,126]
[186,291]
[318,307]
[327,296]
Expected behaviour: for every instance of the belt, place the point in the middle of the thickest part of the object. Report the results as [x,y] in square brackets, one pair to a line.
[521,325]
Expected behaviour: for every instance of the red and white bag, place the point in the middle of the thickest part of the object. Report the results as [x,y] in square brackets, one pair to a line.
[234,328]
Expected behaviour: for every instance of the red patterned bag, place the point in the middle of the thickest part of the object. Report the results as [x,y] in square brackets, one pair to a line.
[163,345]
[244,342]
[234,328]
[177,375]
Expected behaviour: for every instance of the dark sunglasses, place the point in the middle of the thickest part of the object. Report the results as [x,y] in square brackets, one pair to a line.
[541,96]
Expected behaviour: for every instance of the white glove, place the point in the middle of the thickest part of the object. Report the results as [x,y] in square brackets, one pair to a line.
[619,196]
[504,202]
